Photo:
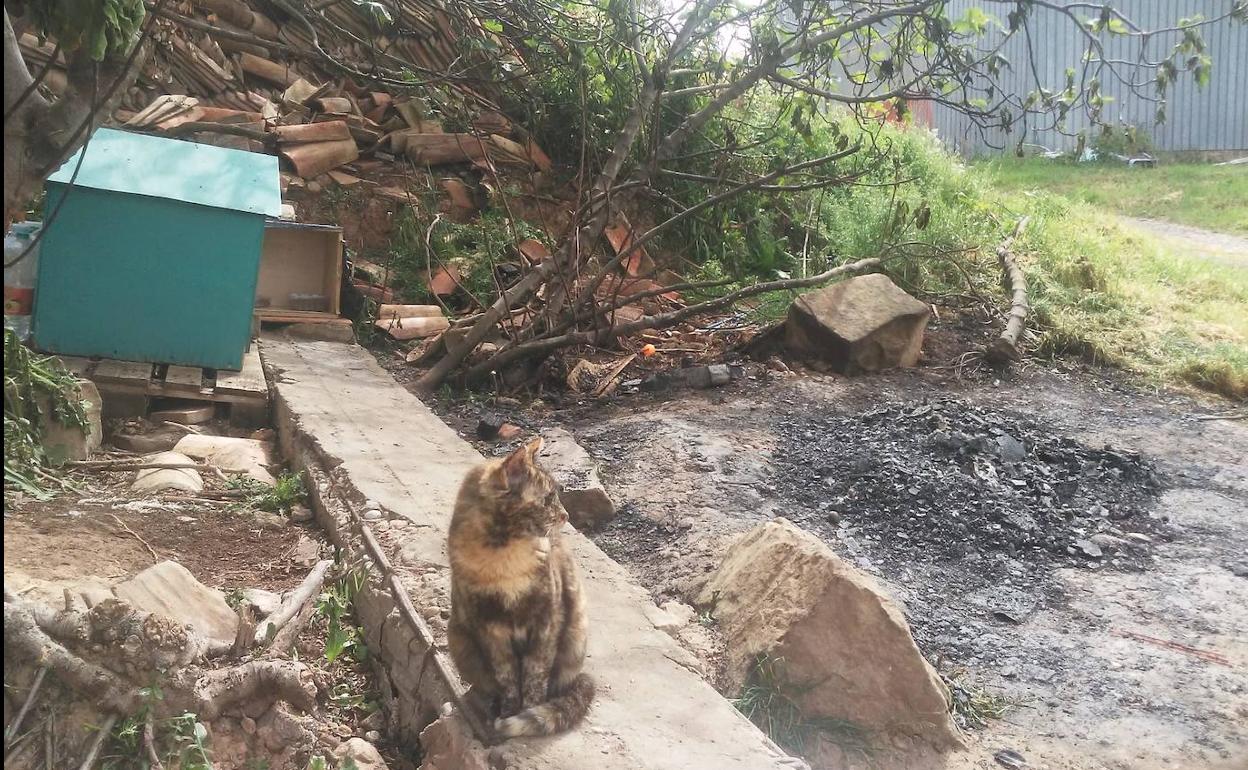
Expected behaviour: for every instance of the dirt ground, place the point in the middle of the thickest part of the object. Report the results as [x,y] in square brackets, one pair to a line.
[104,533]
[1194,242]
[72,538]
[1137,658]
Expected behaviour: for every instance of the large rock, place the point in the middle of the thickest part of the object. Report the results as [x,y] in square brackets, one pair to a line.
[152,480]
[864,324]
[448,744]
[583,495]
[63,442]
[238,455]
[169,589]
[845,645]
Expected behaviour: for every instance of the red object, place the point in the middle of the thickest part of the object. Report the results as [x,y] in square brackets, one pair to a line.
[444,282]
[18,301]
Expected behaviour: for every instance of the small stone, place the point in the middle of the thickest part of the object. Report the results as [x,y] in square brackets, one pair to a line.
[362,753]
[1238,569]
[196,414]
[1010,759]
[488,426]
[1089,549]
[1107,542]
[265,602]
[248,724]
[399,523]
[372,736]
[372,514]
[307,552]
[1010,449]
[268,521]
[300,514]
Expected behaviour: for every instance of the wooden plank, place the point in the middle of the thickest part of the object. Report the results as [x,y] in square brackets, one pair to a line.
[185,376]
[249,380]
[122,370]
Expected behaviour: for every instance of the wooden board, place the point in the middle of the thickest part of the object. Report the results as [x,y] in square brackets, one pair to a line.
[299,260]
[249,380]
[247,386]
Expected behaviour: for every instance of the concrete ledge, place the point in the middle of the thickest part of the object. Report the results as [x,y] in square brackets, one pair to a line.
[370,446]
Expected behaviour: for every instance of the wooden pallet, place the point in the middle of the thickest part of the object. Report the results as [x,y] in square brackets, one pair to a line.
[247,386]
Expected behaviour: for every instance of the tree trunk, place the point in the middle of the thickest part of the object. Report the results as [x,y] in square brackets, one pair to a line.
[39,135]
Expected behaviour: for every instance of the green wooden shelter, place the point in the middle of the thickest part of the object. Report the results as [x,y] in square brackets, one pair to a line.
[153,251]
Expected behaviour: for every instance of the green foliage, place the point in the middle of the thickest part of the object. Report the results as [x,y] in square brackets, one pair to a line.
[1121,140]
[334,605]
[281,497]
[103,27]
[476,249]
[32,382]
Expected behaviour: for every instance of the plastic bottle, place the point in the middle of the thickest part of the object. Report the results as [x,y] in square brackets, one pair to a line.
[19,280]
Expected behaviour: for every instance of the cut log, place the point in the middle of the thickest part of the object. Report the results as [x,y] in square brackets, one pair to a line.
[391,312]
[335,104]
[312,159]
[292,604]
[412,328]
[281,74]
[328,131]
[1005,348]
[440,149]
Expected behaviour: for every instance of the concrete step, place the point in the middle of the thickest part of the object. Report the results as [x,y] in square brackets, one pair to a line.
[339,410]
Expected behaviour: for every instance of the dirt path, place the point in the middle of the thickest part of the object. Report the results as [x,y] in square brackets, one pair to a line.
[1113,663]
[1195,242]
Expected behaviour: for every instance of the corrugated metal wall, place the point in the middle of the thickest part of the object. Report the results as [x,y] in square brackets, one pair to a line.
[1212,118]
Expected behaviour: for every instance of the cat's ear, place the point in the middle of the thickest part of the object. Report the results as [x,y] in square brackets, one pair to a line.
[515,467]
[533,448]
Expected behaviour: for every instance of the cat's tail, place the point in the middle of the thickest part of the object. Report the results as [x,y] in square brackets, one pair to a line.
[560,713]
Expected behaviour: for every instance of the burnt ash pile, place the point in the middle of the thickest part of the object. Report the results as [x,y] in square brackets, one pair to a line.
[942,480]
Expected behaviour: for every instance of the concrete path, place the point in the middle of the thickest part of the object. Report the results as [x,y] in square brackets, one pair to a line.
[1194,242]
[653,711]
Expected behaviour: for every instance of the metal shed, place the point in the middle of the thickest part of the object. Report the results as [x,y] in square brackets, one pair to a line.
[153,252]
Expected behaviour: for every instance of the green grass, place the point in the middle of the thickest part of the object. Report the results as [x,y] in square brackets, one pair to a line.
[1111,295]
[770,700]
[1212,197]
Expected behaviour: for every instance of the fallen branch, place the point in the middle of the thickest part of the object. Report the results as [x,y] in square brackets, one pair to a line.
[102,733]
[130,465]
[136,536]
[33,693]
[1005,348]
[149,743]
[545,345]
[307,590]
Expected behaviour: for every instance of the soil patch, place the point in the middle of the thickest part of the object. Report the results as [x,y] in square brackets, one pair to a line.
[65,539]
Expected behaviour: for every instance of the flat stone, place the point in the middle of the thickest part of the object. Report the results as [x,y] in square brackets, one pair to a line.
[363,753]
[583,495]
[195,414]
[159,440]
[151,480]
[237,455]
[265,602]
[844,643]
[169,589]
[1089,549]
[863,324]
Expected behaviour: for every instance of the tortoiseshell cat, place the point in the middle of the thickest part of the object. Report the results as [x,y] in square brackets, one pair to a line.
[517,629]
